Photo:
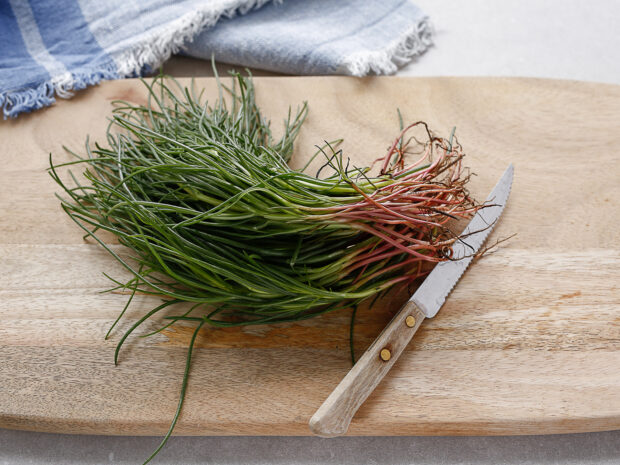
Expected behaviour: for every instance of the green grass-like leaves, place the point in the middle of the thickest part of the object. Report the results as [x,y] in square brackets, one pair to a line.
[203,198]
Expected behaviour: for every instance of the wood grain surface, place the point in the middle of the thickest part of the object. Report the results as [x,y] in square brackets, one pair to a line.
[528,342]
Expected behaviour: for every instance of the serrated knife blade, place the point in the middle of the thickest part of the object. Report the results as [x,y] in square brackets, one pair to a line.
[432,293]
[334,416]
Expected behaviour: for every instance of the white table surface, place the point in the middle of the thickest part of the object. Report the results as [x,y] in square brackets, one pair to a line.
[552,39]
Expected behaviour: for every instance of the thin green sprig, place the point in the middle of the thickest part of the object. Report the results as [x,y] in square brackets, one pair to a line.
[177,413]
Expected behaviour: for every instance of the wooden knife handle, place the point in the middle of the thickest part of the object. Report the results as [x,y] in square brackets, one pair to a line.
[333,417]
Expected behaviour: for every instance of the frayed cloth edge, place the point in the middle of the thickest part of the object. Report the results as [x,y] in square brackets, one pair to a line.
[413,42]
[150,51]
[156,46]
[25,100]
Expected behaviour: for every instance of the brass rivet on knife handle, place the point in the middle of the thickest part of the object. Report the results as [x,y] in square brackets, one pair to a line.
[335,414]
[410,321]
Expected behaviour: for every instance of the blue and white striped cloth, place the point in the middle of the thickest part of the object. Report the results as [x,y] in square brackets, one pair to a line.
[51,48]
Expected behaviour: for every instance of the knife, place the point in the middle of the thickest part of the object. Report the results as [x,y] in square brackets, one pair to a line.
[333,417]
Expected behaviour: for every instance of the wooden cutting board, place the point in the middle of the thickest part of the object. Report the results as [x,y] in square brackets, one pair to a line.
[528,342]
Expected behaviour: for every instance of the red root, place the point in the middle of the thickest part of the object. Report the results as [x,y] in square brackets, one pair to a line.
[410,213]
